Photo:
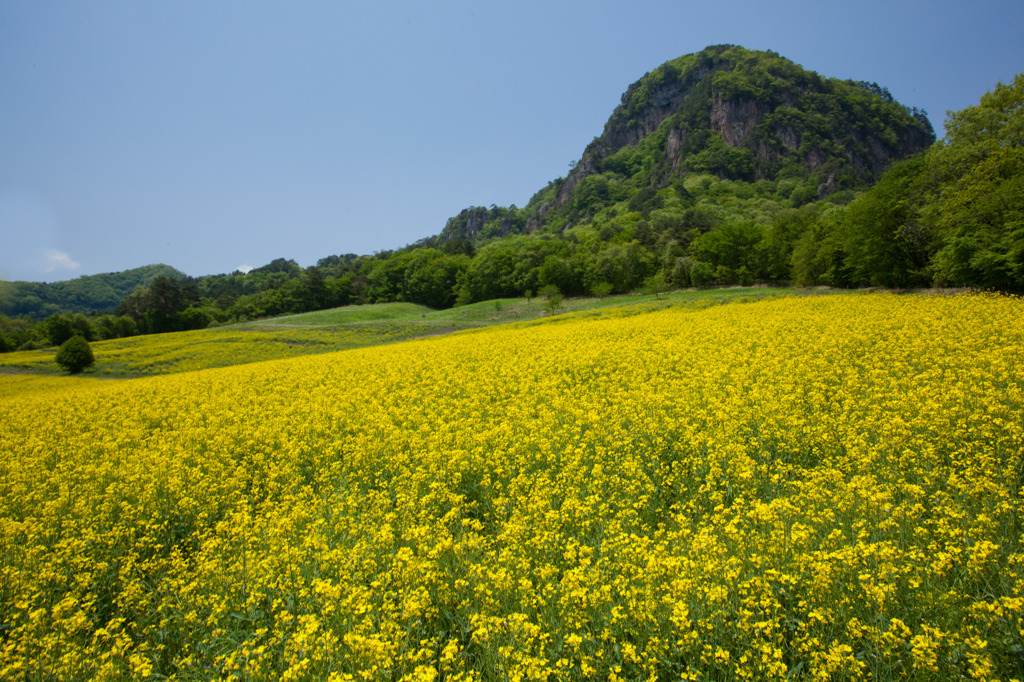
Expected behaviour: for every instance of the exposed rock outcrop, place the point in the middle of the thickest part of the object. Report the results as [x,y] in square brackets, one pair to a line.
[735,119]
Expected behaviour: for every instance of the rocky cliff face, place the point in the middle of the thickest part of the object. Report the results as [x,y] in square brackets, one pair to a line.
[735,119]
[477,222]
[776,117]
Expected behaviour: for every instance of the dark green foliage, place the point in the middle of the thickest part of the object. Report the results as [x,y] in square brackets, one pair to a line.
[646,200]
[594,193]
[552,298]
[508,267]
[165,301]
[625,162]
[818,257]
[166,305]
[780,239]
[723,160]
[60,328]
[624,266]
[75,354]
[702,274]
[557,271]
[953,216]
[282,266]
[976,178]
[883,242]
[17,334]
[733,245]
[426,276]
[112,327]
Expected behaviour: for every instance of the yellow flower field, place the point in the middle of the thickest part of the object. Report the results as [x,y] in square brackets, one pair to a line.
[804,488]
[220,347]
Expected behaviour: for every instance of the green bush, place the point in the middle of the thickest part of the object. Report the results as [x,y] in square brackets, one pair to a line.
[75,354]
[550,291]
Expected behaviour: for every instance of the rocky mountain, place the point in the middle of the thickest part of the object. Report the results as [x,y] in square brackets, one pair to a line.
[736,114]
[775,114]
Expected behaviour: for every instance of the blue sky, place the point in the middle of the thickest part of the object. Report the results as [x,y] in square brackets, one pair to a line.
[220,134]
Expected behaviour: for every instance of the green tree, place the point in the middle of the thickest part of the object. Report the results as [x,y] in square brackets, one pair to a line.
[553,298]
[507,268]
[883,241]
[194,318]
[20,333]
[625,267]
[978,207]
[75,354]
[432,276]
[780,239]
[818,256]
[557,271]
[60,328]
[731,245]
[701,274]
[111,327]
[164,301]
[339,290]
[656,284]
[387,278]
[315,295]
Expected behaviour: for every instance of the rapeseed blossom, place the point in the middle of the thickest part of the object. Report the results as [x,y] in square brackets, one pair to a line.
[814,488]
[219,347]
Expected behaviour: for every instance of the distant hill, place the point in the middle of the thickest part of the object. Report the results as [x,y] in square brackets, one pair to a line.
[90,294]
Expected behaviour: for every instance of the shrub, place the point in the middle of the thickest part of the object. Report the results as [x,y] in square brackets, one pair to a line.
[75,354]
[656,284]
[553,298]
[550,291]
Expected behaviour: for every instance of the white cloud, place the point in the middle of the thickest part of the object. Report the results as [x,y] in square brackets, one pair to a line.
[244,269]
[58,260]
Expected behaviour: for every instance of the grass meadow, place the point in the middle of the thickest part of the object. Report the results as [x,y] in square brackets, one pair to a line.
[813,488]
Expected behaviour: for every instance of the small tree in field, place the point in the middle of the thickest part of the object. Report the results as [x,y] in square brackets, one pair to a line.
[75,354]
[553,296]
